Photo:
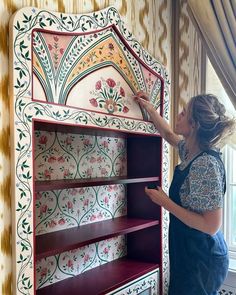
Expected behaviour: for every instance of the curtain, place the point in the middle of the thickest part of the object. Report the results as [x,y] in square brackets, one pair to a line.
[215,20]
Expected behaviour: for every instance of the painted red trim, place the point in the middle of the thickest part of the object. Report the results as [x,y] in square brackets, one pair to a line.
[115,131]
[34,201]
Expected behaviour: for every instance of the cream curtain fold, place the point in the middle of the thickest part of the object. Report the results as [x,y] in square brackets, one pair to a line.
[215,20]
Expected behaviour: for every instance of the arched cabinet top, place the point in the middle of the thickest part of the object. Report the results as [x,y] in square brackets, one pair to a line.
[88,62]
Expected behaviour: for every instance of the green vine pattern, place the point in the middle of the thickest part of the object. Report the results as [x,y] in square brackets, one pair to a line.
[147,284]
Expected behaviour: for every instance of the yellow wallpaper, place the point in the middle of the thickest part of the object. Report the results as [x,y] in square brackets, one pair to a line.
[190,57]
[148,20]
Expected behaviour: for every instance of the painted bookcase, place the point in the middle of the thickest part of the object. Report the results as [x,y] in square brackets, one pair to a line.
[82,153]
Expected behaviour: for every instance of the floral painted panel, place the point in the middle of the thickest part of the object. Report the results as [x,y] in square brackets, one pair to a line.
[67,156]
[97,68]
[145,285]
[57,210]
[68,264]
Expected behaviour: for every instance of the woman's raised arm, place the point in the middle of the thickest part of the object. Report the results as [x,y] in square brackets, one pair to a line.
[162,126]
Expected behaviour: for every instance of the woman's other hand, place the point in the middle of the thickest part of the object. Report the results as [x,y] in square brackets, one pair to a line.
[158,196]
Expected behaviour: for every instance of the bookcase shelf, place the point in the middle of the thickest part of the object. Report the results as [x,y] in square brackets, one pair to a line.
[46,185]
[69,239]
[102,279]
[141,225]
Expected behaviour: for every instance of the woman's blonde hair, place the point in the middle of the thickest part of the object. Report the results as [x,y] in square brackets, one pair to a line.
[212,123]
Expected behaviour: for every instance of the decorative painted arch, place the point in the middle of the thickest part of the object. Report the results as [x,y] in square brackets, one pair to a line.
[60,61]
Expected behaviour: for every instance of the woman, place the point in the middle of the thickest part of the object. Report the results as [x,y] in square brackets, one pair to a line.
[198,252]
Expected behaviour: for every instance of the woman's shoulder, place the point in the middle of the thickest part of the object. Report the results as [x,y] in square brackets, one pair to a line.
[209,161]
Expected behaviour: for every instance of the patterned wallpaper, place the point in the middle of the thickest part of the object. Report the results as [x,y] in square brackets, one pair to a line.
[150,22]
[56,268]
[190,57]
[78,156]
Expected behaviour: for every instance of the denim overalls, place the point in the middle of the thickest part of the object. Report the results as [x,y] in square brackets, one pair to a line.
[198,261]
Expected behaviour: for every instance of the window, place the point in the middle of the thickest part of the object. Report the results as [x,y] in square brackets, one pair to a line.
[214,86]
[230,203]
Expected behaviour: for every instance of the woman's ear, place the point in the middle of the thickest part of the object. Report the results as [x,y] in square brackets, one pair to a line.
[194,124]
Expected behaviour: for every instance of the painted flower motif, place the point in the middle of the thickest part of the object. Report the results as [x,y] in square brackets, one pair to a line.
[109,95]
[93,102]
[43,272]
[89,172]
[81,191]
[66,173]
[70,263]
[122,92]
[68,140]
[111,46]
[52,223]
[43,139]
[86,258]
[92,160]
[69,205]
[110,188]
[98,85]
[86,142]
[125,109]
[86,202]
[61,221]
[99,159]
[99,216]
[73,192]
[56,51]
[111,83]
[47,174]
[103,171]
[43,209]
[93,217]
[106,200]
[105,144]
[52,159]
[39,196]
[61,159]
[111,106]
[105,250]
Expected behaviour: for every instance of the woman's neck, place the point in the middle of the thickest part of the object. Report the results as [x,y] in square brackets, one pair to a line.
[192,148]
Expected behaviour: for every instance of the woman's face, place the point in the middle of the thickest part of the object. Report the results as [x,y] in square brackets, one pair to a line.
[183,126]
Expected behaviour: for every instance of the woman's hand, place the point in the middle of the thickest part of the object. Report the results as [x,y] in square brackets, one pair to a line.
[158,196]
[143,99]
[208,222]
